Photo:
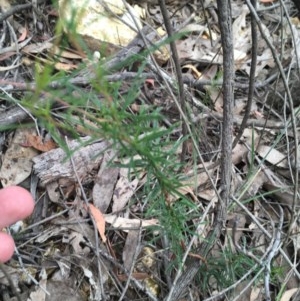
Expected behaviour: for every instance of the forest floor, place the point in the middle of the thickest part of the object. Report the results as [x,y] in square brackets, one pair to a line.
[123,161]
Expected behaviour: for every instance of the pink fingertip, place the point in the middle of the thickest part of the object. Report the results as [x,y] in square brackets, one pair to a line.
[16,203]
[7,247]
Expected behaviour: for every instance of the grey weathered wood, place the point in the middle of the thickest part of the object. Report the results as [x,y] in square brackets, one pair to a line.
[56,164]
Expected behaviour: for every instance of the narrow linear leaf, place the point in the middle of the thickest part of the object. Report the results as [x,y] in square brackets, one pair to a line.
[100,221]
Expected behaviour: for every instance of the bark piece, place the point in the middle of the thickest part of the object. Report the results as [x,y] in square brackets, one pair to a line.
[105,183]
[55,164]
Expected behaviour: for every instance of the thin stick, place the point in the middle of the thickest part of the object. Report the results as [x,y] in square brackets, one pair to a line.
[175,56]
[252,77]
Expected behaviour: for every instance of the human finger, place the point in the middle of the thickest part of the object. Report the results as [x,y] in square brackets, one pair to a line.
[16,203]
[7,247]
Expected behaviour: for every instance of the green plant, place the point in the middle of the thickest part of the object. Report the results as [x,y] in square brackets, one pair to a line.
[104,111]
[225,269]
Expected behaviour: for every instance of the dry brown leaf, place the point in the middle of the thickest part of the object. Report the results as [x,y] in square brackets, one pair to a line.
[5,5]
[186,188]
[287,295]
[105,183]
[256,294]
[58,290]
[210,73]
[272,155]
[35,48]
[38,143]
[123,191]
[241,36]
[39,294]
[135,107]
[76,239]
[239,106]
[100,221]
[127,223]
[69,54]
[130,248]
[197,49]
[217,98]
[207,194]
[17,160]
[23,35]
[239,153]
[65,67]
[93,18]
[53,192]
[6,55]
[295,21]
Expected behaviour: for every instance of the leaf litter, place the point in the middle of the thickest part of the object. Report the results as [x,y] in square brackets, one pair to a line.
[133,257]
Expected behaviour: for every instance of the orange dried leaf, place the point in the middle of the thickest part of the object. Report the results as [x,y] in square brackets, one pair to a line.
[100,221]
[23,35]
[38,143]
